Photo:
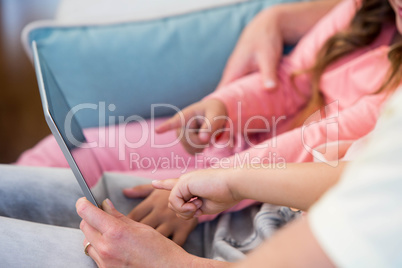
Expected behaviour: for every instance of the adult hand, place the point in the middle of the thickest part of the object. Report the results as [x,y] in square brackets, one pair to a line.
[260,48]
[197,124]
[117,241]
[154,211]
[199,192]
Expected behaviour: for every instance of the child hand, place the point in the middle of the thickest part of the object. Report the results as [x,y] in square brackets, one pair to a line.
[154,211]
[199,192]
[197,124]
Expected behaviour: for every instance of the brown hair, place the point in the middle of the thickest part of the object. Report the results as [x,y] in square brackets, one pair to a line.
[364,28]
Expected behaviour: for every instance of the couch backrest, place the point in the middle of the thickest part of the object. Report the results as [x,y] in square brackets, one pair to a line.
[176,60]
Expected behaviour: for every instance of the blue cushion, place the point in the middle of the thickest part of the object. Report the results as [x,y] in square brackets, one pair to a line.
[176,60]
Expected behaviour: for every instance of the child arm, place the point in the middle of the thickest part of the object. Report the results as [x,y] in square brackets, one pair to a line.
[299,185]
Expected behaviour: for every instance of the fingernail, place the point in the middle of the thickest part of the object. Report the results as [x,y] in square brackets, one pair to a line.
[81,199]
[204,136]
[108,203]
[270,83]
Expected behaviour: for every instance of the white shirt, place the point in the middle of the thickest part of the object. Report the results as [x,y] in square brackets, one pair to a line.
[358,223]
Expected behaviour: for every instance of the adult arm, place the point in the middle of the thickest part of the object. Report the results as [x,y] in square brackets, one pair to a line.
[296,19]
[293,246]
[261,43]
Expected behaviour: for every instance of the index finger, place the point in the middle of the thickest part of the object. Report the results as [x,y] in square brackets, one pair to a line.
[164,184]
[172,123]
[94,216]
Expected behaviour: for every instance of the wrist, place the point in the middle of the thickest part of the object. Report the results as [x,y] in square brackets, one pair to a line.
[233,182]
[218,98]
[272,18]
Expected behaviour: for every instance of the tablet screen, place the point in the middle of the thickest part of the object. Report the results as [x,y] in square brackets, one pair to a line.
[65,126]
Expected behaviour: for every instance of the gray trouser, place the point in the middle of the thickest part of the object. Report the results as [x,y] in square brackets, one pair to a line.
[39,224]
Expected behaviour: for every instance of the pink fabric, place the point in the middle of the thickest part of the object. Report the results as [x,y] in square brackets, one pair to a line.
[127,148]
[347,87]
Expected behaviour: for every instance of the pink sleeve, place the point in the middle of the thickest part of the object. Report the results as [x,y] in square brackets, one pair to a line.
[304,54]
[349,124]
[245,98]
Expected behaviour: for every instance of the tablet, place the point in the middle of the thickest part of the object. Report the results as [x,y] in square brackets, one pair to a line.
[65,127]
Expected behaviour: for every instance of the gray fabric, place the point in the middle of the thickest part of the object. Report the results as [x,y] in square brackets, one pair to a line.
[27,244]
[233,235]
[39,224]
[39,195]
[38,219]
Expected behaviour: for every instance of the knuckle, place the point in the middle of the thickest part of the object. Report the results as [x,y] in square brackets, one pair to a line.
[116,232]
[82,225]
[104,251]
[119,216]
